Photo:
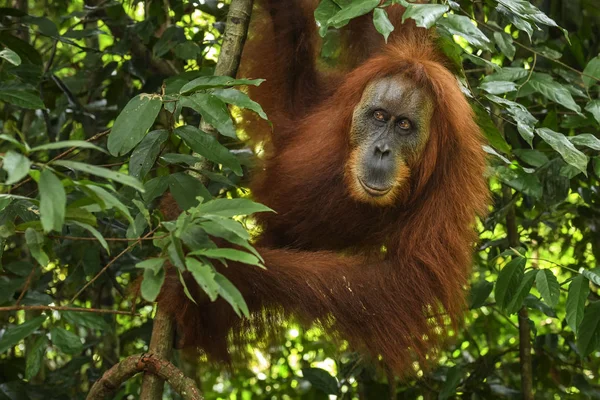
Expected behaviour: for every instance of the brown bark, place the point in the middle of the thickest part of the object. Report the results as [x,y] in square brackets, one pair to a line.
[114,377]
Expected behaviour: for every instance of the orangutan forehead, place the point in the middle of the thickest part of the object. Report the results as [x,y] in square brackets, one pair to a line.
[397,95]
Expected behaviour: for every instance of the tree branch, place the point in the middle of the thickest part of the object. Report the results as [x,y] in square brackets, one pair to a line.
[114,377]
[64,308]
[161,345]
[524,329]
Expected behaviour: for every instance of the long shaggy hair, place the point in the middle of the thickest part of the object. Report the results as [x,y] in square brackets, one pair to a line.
[390,280]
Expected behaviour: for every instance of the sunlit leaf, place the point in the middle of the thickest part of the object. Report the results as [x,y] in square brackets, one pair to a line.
[382,22]
[53,201]
[579,289]
[547,284]
[16,165]
[565,148]
[205,277]
[509,279]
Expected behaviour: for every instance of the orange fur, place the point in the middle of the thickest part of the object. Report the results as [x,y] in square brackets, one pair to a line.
[323,248]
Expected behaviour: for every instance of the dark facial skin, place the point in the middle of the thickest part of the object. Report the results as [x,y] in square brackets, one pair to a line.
[390,127]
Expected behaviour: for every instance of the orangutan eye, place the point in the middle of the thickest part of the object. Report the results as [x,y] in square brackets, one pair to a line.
[404,124]
[380,115]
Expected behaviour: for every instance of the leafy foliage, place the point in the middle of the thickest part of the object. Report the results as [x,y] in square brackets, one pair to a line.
[100,109]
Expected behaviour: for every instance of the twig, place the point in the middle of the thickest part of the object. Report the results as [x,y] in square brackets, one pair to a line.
[114,377]
[26,286]
[93,239]
[111,262]
[61,155]
[65,308]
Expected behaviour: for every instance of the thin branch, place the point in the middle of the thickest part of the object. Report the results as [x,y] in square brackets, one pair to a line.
[124,370]
[111,262]
[26,286]
[93,239]
[61,155]
[64,308]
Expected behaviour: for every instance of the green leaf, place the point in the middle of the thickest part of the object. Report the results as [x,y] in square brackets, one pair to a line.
[352,10]
[86,320]
[144,155]
[10,56]
[565,148]
[464,27]
[552,90]
[239,99]
[507,74]
[489,129]
[229,254]
[323,13]
[424,15]
[35,241]
[108,200]
[534,158]
[175,252]
[453,379]
[127,180]
[152,283]
[213,111]
[588,337]
[153,264]
[516,303]
[185,189]
[21,98]
[215,229]
[68,143]
[587,140]
[232,207]
[505,44]
[233,296]
[579,290]
[66,341]
[205,277]
[480,293]
[14,334]
[593,107]
[53,201]
[228,224]
[209,147]
[524,9]
[595,278]
[35,356]
[382,23]
[16,165]
[133,122]
[591,71]
[94,233]
[155,187]
[548,286]
[509,279]
[498,87]
[207,82]
[174,158]
[520,115]
[321,380]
